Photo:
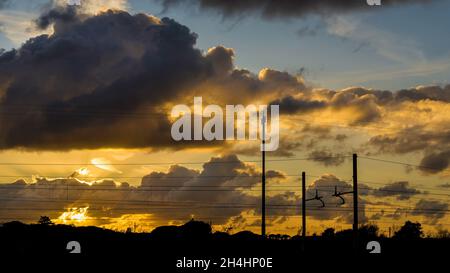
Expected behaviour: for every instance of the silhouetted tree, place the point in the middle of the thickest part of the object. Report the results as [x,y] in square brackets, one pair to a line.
[409,231]
[345,234]
[328,233]
[196,229]
[45,220]
[246,235]
[368,231]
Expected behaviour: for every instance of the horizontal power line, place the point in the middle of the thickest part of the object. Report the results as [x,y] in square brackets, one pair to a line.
[164,184]
[172,205]
[152,177]
[165,163]
[219,218]
[202,188]
[399,163]
[194,204]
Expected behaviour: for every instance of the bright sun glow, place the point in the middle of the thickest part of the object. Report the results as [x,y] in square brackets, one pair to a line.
[83,171]
[104,164]
[74,215]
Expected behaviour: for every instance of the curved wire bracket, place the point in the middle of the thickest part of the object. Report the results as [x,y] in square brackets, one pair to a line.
[339,194]
[318,198]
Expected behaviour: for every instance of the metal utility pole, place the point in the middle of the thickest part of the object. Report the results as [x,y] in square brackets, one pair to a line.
[303,205]
[303,210]
[304,200]
[355,199]
[263,178]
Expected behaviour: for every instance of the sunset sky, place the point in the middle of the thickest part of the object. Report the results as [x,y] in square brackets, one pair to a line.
[86,94]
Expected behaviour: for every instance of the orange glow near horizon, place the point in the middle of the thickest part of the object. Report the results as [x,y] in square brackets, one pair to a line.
[77,215]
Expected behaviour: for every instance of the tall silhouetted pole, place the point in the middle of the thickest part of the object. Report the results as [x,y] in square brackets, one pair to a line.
[355,199]
[303,205]
[303,209]
[263,178]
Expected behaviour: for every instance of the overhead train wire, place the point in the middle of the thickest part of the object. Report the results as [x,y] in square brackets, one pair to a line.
[165,163]
[195,204]
[399,163]
[193,188]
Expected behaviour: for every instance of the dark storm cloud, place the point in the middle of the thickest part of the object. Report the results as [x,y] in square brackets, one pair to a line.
[327,158]
[401,190]
[83,86]
[282,8]
[367,103]
[58,14]
[291,105]
[435,93]
[434,144]
[435,162]
[100,81]
[432,210]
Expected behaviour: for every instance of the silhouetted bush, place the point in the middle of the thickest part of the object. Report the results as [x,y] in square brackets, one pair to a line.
[409,231]
[328,233]
[196,229]
[368,231]
[45,220]
[246,235]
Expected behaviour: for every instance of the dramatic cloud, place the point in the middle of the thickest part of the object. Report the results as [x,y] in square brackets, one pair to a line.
[365,107]
[432,210]
[101,81]
[327,158]
[283,8]
[435,162]
[425,92]
[291,105]
[224,188]
[401,190]
[366,102]
[88,80]
[434,143]
[109,79]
